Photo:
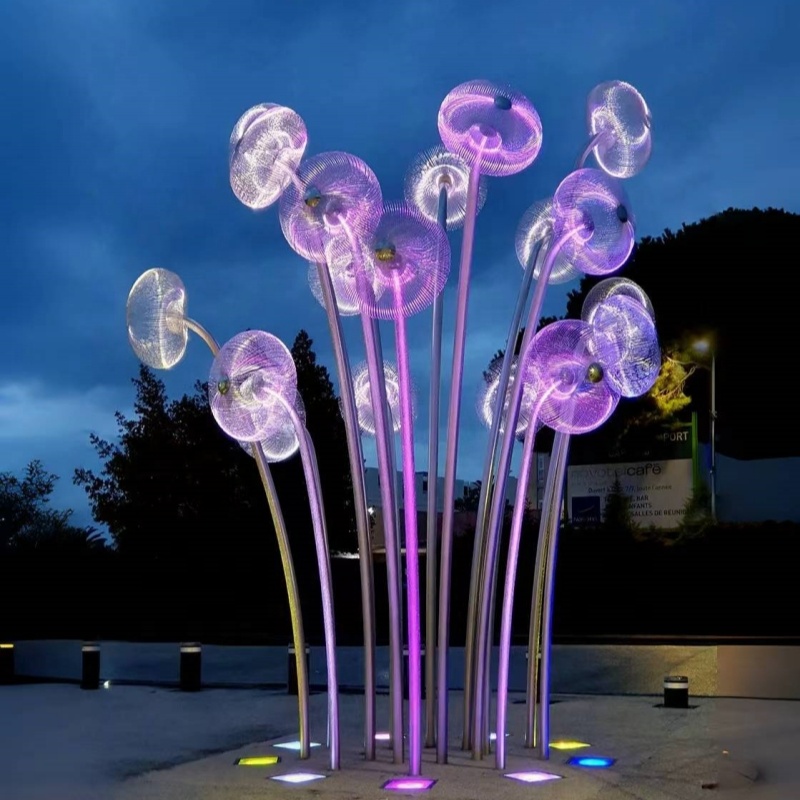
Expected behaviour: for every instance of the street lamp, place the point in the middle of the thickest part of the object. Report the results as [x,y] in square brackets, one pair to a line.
[703,346]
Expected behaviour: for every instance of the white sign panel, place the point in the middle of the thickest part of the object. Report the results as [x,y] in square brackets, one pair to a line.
[658,490]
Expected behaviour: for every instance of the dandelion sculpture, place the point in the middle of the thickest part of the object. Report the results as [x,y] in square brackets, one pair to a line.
[381,261]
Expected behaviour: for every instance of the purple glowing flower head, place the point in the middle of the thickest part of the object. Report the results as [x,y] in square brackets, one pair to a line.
[266,147]
[252,379]
[488,397]
[613,287]
[625,343]
[339,261]
[592,215]
[281,441]
[492,126]
[573,395]
[363,395]
[156,316]
[410,260]
[619,113]
[534,229]
[432,170]
[342,198]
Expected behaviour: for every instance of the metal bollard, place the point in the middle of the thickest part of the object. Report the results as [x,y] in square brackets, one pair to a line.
[405,673]
[90,673]
[292,671]
[676,691]
[6,663]
[191,666]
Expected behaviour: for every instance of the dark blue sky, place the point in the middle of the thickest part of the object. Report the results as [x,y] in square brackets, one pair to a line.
[116,118]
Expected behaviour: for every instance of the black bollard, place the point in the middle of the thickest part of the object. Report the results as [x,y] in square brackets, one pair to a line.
[405,672]
[90,674]
[6,663]
[676,691]
[292,668]
[191,666]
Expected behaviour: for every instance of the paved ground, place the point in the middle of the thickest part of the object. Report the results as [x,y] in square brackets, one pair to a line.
[140,743]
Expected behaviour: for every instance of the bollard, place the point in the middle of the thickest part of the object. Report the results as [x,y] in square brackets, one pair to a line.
[405,673]
[676,691]
[191,666]
[292,671]
[90,674]
[6,663]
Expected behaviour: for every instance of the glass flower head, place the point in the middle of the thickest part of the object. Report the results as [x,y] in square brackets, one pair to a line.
[265,150]
[409,257]
[491,126]
[156,316]
[613,287]
[534,231]
[618,115]
[433,170]
[593,220]
[281,442]
[252,381]
[363,395]
[488,399]
[341,198]
[573,394]
[339,261]
[625,342]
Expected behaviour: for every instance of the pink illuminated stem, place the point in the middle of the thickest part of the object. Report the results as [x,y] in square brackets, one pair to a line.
[451,458]
[412,550]
[589,149]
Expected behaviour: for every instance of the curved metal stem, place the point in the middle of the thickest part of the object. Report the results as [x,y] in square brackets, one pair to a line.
[498,500]
[485,493]
[432,537]
[356,457]
[289,574]
[451,458]
[554,520]
[412,550]
[587,151]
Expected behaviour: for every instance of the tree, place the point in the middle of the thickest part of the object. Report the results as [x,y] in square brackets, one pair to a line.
[469,500]
[617,517]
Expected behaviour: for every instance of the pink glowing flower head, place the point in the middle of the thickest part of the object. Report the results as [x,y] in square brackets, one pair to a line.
[534,231]
[592,214]
[410,259]
[266,147]
[432,170]
[252,379]
[573,395]
[156,316]
[341,199]
[625,343]
[339,260]
[281,441]
[494,126]
[488,399]
[617,111]
[613,287]
[363,395]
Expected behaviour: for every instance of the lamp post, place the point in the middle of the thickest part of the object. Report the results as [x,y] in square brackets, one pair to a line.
[704,346]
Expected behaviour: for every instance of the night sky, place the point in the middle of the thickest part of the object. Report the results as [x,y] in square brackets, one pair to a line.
[116,119]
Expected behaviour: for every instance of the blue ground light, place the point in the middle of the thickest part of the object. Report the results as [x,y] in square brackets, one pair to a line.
[592,762]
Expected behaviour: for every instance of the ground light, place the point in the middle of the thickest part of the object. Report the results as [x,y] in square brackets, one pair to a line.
[383,737]
[568,745]
[493,736]
[533,776]
[298,777]
[257,761]
[592,762]
[294,745]
[409,784]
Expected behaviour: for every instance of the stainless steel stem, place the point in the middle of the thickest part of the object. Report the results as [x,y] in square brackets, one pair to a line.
[290,577]
[356,457]
[432,537]
[486,488]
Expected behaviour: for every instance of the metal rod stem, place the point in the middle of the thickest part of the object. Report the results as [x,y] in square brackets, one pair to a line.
[356,457]
[589,149]
[432,519]
[451,458]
